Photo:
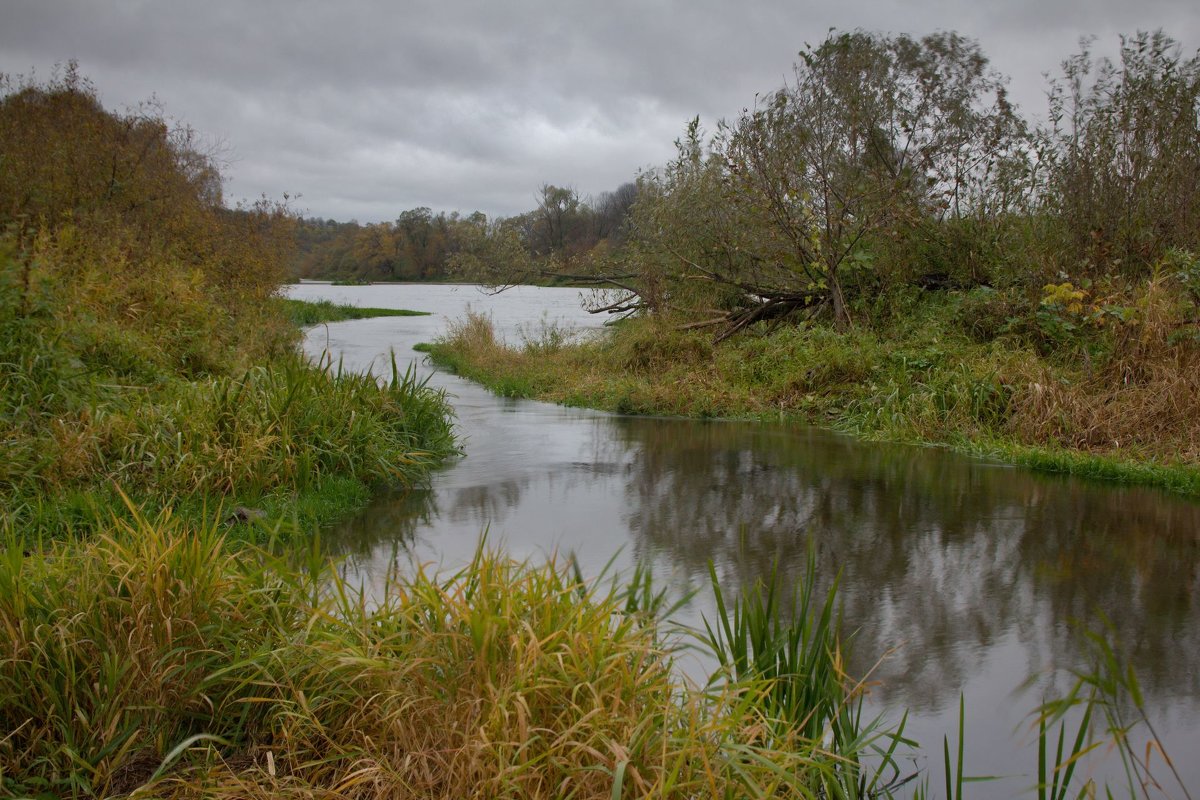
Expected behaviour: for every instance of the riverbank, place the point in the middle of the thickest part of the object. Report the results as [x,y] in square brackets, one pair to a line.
[157,657]
[300,443]
[145,359]
[925,373]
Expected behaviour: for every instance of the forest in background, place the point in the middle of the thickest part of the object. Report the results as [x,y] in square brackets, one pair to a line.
[422,246]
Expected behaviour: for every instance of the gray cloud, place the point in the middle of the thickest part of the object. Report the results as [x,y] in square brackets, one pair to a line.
[370,108]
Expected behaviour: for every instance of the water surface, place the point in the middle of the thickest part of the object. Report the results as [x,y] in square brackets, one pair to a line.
[971,576]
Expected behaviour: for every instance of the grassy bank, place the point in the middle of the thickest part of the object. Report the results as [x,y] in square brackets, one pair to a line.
[143,349]
[313,312]
[269,430]
[973,371]
[158,656]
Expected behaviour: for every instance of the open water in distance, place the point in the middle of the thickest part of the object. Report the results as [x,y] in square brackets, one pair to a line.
[972,575]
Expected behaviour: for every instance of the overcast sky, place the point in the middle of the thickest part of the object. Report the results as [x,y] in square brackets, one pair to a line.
[366,109]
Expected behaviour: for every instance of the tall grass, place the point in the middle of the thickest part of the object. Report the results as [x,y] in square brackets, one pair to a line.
[157,659]
[118,651]
[286,426]
[141,342]
[787,653]
[1106,689]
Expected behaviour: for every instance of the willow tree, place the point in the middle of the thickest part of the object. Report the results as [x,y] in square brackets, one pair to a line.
[873,136]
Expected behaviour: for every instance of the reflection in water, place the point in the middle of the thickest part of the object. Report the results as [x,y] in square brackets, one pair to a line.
[974,573]
[943,555]
[393,519]
[943,558]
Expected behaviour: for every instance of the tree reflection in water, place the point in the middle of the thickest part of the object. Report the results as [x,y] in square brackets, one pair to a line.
[942,555]
[947,559]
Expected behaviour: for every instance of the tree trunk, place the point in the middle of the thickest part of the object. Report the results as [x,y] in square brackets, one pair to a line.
[841,314]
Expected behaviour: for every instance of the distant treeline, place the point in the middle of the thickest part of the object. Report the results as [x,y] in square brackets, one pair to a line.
[413,248]
[421,245]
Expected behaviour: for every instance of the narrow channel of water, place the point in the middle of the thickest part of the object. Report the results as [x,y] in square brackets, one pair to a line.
[971,576]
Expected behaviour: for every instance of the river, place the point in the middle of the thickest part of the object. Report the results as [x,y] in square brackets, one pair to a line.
[973,577]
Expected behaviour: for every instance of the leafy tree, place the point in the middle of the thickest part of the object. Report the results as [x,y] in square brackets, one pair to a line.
[873,138]
[564,238]
[494,253]
[71,170]
[1123,155]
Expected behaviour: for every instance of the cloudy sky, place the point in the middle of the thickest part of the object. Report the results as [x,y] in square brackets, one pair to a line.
[366,109]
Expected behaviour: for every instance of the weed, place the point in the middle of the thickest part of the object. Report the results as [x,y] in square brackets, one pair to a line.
[788,657]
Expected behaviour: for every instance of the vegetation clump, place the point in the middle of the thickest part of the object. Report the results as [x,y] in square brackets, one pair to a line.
[303,313]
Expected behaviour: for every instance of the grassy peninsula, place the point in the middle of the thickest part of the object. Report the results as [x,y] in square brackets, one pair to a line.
[313,312]
[888,246]
[916,373]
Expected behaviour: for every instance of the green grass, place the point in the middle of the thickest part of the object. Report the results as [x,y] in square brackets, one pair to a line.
[296,440]
[303,313]
[1179,478]
[921,378]
[786,641]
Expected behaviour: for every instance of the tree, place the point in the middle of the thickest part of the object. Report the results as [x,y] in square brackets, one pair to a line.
[874,136]
[564,238]
[1123,155]
[610,213]
[493,253]
[130,181]
[555,220]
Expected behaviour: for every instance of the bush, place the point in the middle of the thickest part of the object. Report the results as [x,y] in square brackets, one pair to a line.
[1123,156]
